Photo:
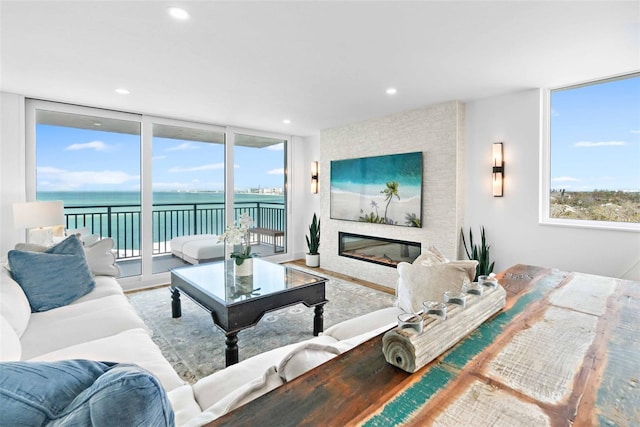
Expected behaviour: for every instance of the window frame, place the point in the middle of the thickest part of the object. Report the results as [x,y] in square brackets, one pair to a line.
[545,167]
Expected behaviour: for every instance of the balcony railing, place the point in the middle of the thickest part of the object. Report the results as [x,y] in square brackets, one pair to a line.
[123,222]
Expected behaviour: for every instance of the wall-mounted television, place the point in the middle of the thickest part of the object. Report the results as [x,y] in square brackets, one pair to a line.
[381,189]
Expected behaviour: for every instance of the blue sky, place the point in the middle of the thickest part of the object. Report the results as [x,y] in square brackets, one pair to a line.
[595,137]
[87,160]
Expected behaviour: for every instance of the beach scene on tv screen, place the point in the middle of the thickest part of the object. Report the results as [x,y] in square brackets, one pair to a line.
[380,189]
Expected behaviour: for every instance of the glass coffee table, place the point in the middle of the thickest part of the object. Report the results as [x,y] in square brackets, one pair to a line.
[237,303]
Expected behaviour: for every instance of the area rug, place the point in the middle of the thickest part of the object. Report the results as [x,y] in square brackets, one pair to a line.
[195,347]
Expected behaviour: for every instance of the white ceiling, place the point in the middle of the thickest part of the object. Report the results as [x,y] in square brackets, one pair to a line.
[320,64]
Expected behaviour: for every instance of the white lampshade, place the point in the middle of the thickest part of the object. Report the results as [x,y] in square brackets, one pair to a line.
[38,214]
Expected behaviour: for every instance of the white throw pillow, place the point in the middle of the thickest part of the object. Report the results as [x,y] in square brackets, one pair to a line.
[419,282]
[304,358]
[242,395]
[10,347]
[101,260]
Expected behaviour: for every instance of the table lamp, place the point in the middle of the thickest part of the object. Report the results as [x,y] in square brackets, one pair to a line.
[39,218]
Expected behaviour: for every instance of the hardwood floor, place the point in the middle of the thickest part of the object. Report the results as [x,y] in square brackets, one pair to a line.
[301,263]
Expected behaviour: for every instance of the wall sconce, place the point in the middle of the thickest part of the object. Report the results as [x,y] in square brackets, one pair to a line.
[314,177]
[498,170]
[38,218]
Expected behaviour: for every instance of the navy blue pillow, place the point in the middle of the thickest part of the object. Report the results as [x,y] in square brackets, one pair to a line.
[81,392]
[53,278]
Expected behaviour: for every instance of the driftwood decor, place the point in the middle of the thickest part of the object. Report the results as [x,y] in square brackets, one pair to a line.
[410,351]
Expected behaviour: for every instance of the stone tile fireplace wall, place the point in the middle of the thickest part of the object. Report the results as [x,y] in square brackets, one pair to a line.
[438,132]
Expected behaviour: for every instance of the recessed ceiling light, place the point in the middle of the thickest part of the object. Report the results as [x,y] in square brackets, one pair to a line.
[286,121]
[122,91]
[392,91]
[178,13]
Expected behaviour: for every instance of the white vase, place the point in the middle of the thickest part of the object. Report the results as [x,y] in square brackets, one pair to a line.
[312,260]
[244,269]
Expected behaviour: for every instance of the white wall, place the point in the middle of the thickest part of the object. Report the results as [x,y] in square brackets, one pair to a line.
[304,204]
[511,222]
[12,167]
[436,131]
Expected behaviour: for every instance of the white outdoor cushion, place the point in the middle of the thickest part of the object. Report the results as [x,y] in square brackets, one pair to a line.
[133,346]
[270,380]
[10,348]
[14,304]
[305,357]
[203,249]
[76,323]
[385,317]
[177,243]
[101,260]
[215,387]
[419,283]
[184,404]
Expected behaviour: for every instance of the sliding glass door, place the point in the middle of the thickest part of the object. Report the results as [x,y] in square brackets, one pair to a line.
[188,194]
[92,163]
[153,184]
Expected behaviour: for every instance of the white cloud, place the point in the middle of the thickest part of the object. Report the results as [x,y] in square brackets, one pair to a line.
[565,179]
[183,146]
[158,157]
[635,131]
[212,166]
[279,171]
[600,144]
[64,179]
[93,145]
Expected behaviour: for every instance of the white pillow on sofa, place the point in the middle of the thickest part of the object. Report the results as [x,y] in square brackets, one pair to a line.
[427,279]
[304,358]
[101,260]
[270,380]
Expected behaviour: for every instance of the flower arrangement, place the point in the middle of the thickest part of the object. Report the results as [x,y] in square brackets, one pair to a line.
[238,236]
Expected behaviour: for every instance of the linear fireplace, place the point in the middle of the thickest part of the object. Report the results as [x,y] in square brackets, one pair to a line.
[378,250]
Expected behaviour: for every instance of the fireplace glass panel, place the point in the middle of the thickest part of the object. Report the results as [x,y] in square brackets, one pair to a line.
[377,250]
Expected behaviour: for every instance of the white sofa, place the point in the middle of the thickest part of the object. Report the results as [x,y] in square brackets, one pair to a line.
[103,326]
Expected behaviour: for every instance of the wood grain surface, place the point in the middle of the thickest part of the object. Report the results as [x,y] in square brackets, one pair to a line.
[565,351]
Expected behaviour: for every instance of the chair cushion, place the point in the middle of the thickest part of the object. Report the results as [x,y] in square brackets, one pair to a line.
[14,304]
[81,392]
[10,347]
[53,278]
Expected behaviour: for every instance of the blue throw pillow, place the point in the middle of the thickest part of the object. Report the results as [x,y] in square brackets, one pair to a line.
[81,392]
[53,278]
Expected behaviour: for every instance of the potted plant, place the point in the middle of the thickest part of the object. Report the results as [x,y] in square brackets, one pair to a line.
[478,253]
[313,243]
[237,235]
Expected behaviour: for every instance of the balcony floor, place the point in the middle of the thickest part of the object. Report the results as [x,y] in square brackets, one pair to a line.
[161,263]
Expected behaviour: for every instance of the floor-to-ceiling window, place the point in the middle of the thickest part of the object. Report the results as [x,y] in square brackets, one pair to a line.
[188,192]
[92,163]
[143,180]
[259,189]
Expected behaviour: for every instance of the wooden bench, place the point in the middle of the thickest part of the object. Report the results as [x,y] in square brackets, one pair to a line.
[268,236]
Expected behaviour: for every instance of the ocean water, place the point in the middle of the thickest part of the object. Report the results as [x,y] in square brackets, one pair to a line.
[89,209]
[112,198]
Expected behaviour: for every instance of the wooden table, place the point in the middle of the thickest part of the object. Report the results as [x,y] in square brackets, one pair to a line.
[237,303]
[565,351]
